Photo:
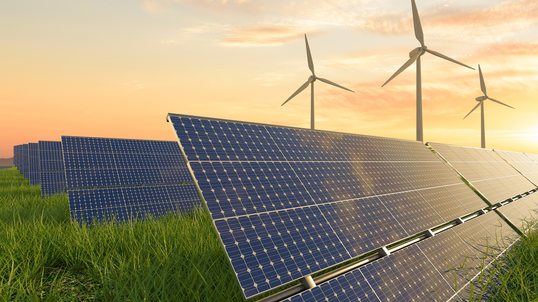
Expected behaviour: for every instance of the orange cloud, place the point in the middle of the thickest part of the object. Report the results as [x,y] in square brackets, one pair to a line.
[484,23]
[262,35]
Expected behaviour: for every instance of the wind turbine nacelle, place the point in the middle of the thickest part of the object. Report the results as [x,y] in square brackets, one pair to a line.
[481,98]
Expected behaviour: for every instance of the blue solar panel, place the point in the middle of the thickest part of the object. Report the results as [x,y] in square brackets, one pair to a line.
[125,179]
[493,177]
[407,275]
[24,160]
[451,257]
[350,287]
[51,164]
[125,203]
[362,191]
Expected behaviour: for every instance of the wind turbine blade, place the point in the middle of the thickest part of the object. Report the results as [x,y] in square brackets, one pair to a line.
[435,53]
[479,103]
[482,84]
[404,66]
[500,103]
[309,56]
[416,22]
[298,90]
[334,84]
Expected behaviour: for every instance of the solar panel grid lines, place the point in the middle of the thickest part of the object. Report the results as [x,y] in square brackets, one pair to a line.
[351,286]
[471,202]
[444,203]
[502,234]
[451,257]
[521,162]
[342,177]
[364,224]
[125,178]
[406,275]
[25,161]
[52,172]
[491,175]
[411,211]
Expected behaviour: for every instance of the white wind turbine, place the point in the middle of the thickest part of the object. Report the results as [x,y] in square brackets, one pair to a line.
[481,100]
[415,55]
[311,81]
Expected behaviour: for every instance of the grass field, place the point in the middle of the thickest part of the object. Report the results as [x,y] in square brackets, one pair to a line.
[45,257]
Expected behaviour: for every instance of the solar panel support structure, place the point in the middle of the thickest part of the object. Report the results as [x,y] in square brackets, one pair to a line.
[459,221]
[308,282]
[429,233]
[384,251]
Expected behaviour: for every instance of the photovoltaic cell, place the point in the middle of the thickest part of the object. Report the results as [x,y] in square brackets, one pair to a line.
[304,194]
[493,177]
[522,162]
[51,164]
[451,257]
[24,161]
[125,179]
[406,275]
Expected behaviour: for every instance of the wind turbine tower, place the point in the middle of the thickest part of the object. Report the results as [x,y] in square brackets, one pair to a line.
[310,82]
[481,100]
[415,55]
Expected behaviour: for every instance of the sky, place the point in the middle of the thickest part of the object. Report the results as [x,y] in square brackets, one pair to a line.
[117,68]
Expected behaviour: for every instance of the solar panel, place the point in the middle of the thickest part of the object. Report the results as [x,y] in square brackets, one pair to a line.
[290,202]
[125,178]
[33,163]
[486,171]
[52,172]
[348,287]
[25,161]
[522,162]
[406,275]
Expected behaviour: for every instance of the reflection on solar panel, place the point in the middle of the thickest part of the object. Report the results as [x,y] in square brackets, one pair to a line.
[24,161]
[51,164]
[486,171]
[290,202]
[522,162]
[348,287]
[451,257]
[33,163]
[125,178]
[16,156]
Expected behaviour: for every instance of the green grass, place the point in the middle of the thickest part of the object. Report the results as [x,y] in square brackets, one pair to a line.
[46,257]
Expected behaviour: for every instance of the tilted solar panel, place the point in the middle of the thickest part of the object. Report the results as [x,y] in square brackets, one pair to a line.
[24,160]
[290,202]
[125,178]
[493,177]
[51,163]
[33,163]
[522,162]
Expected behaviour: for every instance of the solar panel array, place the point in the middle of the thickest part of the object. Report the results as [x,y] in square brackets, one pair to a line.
[493,177]
[51,163]
[33,163]
[288,202]
[522,162]
[125,178]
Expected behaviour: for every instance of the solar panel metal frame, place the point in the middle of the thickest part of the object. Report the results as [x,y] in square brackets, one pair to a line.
[209,166]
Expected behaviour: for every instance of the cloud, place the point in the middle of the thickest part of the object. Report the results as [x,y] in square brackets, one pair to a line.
[461,23]
[266,35]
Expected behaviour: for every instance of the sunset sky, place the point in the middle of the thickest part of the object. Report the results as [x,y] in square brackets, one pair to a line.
[117,68]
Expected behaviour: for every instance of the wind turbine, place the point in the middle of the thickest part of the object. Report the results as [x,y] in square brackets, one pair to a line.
[311,81]
[415,55]
[481,100]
